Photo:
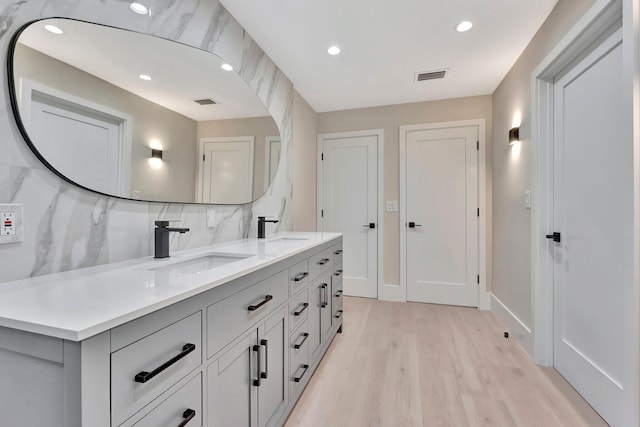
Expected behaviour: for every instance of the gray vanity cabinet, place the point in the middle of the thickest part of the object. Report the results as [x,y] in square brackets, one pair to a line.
[246,383]
[319,314]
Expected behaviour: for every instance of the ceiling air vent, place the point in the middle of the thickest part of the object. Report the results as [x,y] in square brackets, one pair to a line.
[430,75]
[205,101]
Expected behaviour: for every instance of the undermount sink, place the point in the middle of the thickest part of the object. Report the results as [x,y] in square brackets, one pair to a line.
[288,239]
[202,263]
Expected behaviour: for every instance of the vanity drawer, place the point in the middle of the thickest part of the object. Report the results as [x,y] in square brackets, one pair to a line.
[143,370]
[337,295]
[185,404]
[298,276]
[298,309]
[337,256]
[228,318]
[299,360]
[319,262]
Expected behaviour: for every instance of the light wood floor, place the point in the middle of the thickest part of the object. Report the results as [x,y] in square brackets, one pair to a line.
[406,364]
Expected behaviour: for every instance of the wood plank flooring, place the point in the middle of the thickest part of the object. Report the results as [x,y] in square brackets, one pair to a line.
[407,364]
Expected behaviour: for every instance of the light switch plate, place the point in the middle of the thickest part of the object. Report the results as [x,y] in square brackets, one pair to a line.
[392,205]
[527,199]
[11,224]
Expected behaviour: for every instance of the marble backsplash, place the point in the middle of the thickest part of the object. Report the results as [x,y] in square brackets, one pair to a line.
[66,227]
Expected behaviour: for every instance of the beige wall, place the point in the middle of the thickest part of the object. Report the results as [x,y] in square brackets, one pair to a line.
[390,118]
[175,180]
[512,166]
[258,127]
[305,128]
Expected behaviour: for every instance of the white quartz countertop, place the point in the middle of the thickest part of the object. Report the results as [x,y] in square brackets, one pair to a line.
[78,304]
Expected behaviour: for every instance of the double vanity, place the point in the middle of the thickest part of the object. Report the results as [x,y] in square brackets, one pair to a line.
[226,335]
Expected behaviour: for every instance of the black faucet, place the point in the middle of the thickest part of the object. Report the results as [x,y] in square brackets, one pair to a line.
[261,221]
[162,231]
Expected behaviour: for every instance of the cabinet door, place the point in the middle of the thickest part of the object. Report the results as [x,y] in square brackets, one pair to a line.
[272,392]
[233,398]
[316,298]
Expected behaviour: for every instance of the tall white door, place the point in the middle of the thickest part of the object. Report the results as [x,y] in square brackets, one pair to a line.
[227,172]
[593,214]
[349,205]
[441,202]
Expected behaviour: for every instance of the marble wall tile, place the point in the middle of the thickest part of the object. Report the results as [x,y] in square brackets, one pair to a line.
[68,228]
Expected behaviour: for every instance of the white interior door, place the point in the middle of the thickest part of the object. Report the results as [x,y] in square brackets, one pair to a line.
[81,144]
[227,172]
[349,205]
[441,202]
[593,212]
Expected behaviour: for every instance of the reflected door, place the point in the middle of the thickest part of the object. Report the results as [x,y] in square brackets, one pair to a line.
[227,172]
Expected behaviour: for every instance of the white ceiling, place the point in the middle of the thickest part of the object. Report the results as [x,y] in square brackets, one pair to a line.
[384,42]
[179,73]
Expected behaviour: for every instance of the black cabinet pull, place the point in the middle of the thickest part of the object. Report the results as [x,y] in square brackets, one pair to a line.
[298,379]
[300,276]
[263,302]
[338,314]
[337,273]
[338,252]
[304,336]
[299,312]
[258,381]
[144,376]
[323,261]
[188,416]
[339,293]
[323,298]
[265,374]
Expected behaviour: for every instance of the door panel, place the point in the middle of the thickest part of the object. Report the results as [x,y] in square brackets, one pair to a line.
[228,172]
[593,211]
[441,202]
[349,201]
[271,394]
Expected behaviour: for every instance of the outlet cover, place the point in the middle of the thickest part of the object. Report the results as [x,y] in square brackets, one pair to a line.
[527,199]
[392,205]
[211,217]
[11,224]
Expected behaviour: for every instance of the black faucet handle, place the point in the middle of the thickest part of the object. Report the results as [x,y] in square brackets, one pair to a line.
[165,223]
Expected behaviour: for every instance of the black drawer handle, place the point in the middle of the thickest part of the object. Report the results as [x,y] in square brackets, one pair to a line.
[298,379]
[299,312]
[144,376]
[337,273]
[265,374]
[338,293]
[304,336]
[188,416]
[338,252]
[263,302]
[338,314]
[300,276]
[323,261]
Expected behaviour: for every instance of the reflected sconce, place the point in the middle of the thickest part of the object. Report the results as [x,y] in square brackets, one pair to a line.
[156,154]
[514,135]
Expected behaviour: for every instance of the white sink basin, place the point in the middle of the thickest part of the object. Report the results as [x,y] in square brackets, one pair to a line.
[202,263]
[288,239]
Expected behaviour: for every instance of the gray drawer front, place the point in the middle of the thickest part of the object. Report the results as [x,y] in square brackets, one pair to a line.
[320,262]
[298,276]
[337,256]
[299,357]
[151,352]
[297,309]
[184,403]
[228,318]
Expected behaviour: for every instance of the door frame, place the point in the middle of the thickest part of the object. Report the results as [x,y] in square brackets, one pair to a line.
[29,88]
[267,159]
[200,161]
[379,134]
[401,291]
[601,20]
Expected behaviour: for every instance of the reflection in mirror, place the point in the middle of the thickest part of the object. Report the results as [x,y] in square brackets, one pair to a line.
[95,102]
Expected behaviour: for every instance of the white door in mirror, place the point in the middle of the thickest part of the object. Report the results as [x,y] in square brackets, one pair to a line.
[11,230]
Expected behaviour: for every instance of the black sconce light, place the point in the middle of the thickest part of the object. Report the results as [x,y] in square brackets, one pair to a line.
[156,154]
[514,135]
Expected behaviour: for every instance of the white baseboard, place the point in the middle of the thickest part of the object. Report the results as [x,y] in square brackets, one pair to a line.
[392,293]
[516,328]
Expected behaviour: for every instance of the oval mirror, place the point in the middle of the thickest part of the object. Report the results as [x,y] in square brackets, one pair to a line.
[139,117]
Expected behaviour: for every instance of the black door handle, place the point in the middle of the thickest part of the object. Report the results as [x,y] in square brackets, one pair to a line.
[555,236]
[265,374]
[370,225]
[258,381]
[413,225]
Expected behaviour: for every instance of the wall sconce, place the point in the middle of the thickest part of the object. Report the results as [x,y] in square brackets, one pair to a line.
[156,154]
[514,135]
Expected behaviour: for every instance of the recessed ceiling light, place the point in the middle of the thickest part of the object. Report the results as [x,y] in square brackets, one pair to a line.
[139,8]
[333,50]
[53,29]
[464,26]
[144,77]
[226,67]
